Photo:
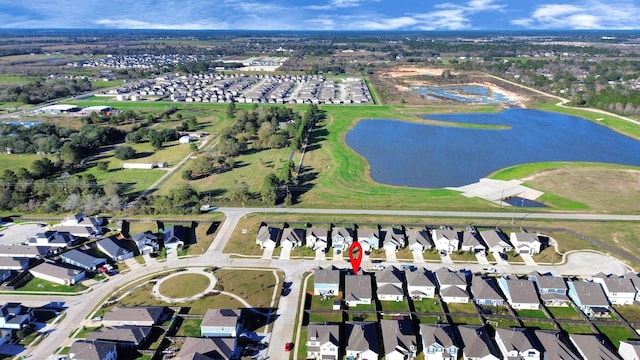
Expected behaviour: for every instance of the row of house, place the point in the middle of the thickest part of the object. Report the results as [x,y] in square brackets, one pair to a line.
[593,297]
[397,340]
[417,239]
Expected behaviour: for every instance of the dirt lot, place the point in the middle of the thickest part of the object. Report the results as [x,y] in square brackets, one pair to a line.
[606,189]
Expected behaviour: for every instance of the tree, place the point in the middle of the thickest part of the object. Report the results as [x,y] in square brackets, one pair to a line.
[155,139]
[193,146]
[231,109]
[42,167]
[124,152]
[270,186]
[70,154]
[186,174]
[203,166]
[103,165]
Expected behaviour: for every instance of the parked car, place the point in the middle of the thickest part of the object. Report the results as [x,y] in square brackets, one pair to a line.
[288,346]
[408,267]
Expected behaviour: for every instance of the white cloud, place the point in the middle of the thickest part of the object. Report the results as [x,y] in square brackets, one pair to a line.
[590,14]
[453,19]
[340,4]
[138,24]
[383,23]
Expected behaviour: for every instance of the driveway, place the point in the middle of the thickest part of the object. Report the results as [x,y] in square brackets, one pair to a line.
[446,259]
[499,260]
[391,254]
[267,253]
[482,259]
[417,257]
[320,254]
[528,260]
[285,253]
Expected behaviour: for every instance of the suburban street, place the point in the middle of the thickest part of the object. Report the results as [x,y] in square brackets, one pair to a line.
[80,307]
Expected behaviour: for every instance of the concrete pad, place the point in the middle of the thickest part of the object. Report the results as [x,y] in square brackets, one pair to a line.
[482,259]
[285,253]
[391,255]
[320,254]
[337,257]
[267,253]
[499,260]
[496,190]
[528,259]
[446,259]
[418,258]
[133,264]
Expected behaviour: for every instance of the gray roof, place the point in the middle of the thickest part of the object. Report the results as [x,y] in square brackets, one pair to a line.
[548,281]
[390,289]
[344,232]
[87,350]
[392,234]
[477,342]
[112,248]
[471,239]
[173,233]
[398,335]
[11,262]
[129,334]
[367,233]
[390,275]
[518,339]
[81,258]
[292,234]
[268,233]
[59,271]
[361,336]
[634,346]
[448,277]
[446,233]
[522,291]
[419,278]
[317,232]
[618,284]
[147,235]
[326,276]
[484,288]
[437,334]
[495,238]
[213,348]
[135,313]
[23,251]
[556,345]
[221,317]
[357,287]
[590,293]
[593,346]
[525,237]
[419,236]
[323,333]
[453,291]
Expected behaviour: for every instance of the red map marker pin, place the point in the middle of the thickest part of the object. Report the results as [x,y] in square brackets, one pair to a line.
[355,262]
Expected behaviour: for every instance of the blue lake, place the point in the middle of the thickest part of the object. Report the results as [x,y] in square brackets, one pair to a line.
[432,156]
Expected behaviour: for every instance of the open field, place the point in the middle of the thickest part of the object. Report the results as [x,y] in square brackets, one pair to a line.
[184,285]
[254,286]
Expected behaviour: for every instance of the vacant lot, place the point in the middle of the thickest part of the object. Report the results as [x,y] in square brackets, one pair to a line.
[254,286]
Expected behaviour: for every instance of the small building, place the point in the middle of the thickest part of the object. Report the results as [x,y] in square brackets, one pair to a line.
[357,290]
[113,250]
[446,239]
[526,243]
[419,240]
[184,139]
[518,343]
[399,340]
[361,340]
[326,282]
[138,166]
[59,274]
[438,342]
[323,341]
[15,264]
[268,237]
[14,316]
[124,337]
[54,239]
[452,285]
[420,284]
[92,350]
[341,239]
[291,238]
[317,238]
[485,292]
[133,316]
[521,293]
[82,260]
[221,323]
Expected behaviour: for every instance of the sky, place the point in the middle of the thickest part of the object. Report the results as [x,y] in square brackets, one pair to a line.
[363,15]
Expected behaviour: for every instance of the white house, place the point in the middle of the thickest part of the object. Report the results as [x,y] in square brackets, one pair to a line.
[63,275]
[419,240]
[399,340]
[362,340]
[317,238]
[446,239]
[526,243]
[619,289]
[323,341]
[629,349]
[13,316]
[52,238]
[368,239]
[520,293]
[326,282]
[291,238]
[517,343]
[438,342]
[221,323]
[341,239]
[453,286]
[392,238]
[420,285]
[389,283]
[267,237]
[81,225]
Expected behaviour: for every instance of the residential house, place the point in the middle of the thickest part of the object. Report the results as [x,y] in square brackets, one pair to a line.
[368,239]
[472,242]
[14,315]
[556,345]
[438,342]
[357,289]
[635,280]
[341,239]
[59,274]
[24,251]
[134,316]
[323,341]
[221,323]
[92,350]
[420,284]
[146,242]
[209,348]
[15,264]
[124,337]
[446,239]
[552,289]
[291,238]
[521,293]
[361,340]
[452,286]
[629,349]
[317,238]
[268,237]
[526,243]
[619,289]
[419,240]
[174,237]
[496,241]
[477,344]
[5,336]
[593,346]
[485,292]
[82,260]
[518,343]
[326,282]
[399,340]
[113,250]
[80,225]
[389,284]
[54,239]
[589,297]
[392,238]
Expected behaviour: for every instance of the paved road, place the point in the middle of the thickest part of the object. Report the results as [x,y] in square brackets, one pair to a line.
[80,307]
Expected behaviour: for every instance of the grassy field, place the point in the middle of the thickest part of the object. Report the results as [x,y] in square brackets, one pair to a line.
[184,285]
[254,286]
[394,306]
[543,325]
[564,312]
[427,306]
[616,333]
[466,320]
[17,161]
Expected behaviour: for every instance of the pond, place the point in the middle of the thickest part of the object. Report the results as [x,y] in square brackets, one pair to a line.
[464,93]
[432,156]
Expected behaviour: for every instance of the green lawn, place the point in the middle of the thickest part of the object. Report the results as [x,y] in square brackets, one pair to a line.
[317,303]
[427,306]
[320,318]
[544,325]
[17,161]
[363,307]
[502,323]
[616,333]
[40,285]
[255,286]
[630,313]
[82,333]
[184,285]
[189,327]
[394,306]
[539,314]
[466,320]
[577,328]
[463,256]
[564,312]
[461,308]
[431,254]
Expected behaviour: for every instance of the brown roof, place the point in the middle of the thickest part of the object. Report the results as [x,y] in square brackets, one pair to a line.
[135,314]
